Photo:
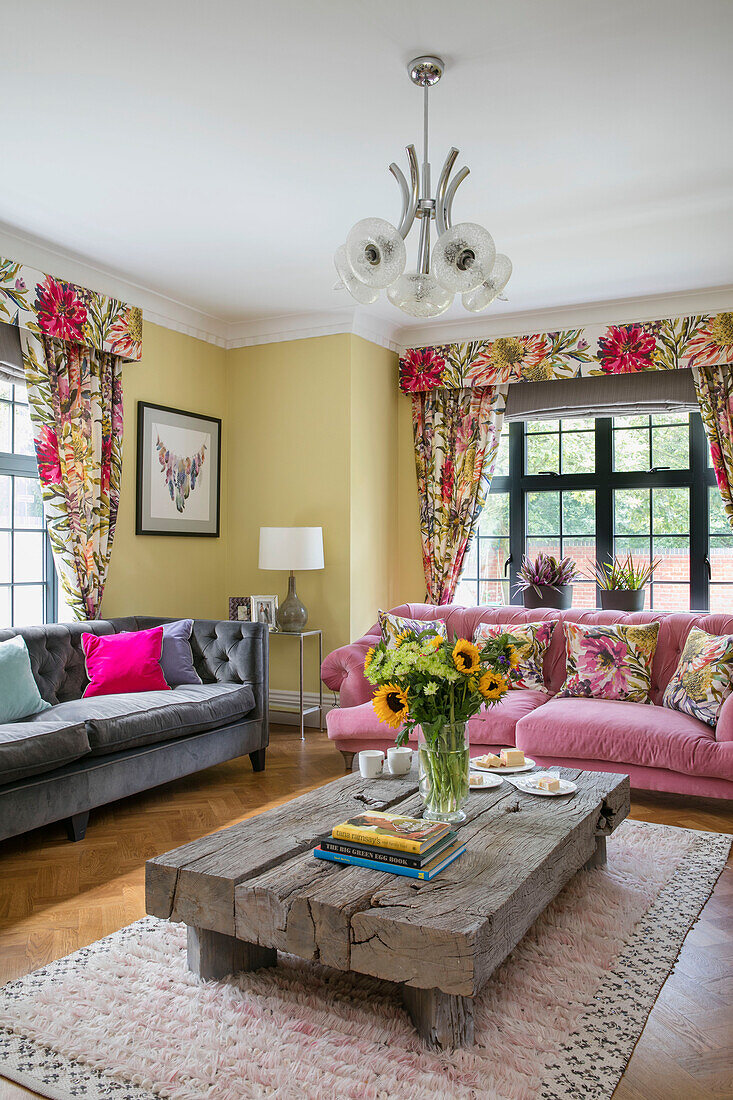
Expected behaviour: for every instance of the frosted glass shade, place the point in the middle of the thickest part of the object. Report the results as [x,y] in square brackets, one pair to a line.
[363,293]
[463,257]
[483,295]
[376,252]
[288,548]
[419,295]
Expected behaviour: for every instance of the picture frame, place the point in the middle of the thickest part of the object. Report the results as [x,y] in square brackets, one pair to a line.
[178,472]
[265,606]
[240,609]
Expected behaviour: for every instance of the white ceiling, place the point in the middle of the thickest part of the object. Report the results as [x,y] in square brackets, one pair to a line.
[218,153]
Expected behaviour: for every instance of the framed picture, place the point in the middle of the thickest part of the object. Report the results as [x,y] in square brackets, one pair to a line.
[264,610]
[240,608]
[178,472]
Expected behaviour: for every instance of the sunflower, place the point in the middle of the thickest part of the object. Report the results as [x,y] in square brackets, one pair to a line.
[390,705]
[513,656]
[492,685]
[434,642]
[401,638]
[466,656]
[368,658]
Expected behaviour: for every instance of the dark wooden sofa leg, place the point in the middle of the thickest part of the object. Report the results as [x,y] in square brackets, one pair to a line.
[348,759]
[258,760]
[76,826]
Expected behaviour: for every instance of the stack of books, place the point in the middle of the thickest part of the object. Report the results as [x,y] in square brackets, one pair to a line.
[390,842]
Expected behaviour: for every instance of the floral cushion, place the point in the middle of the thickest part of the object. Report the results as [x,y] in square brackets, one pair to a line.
[703,678]
[394,627]
[609,662]
[531,642]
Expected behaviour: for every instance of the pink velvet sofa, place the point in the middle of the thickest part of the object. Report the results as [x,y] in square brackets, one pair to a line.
[660,749]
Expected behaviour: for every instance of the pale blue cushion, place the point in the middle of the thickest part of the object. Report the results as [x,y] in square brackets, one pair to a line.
[19,694]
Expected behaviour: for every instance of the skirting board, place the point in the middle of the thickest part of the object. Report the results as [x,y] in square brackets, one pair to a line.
[291,700]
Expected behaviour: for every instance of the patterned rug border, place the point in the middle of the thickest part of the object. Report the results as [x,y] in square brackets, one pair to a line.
[591,1062]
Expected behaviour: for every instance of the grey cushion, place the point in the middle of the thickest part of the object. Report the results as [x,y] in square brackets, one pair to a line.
[40,745]
[115,722]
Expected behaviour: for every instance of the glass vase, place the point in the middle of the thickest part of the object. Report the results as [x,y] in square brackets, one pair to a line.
[444,765]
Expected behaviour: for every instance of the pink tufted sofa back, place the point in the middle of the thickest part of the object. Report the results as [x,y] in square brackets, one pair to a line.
[343,670]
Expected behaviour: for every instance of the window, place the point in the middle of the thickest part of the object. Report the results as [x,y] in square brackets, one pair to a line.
[28,588]
[593,488]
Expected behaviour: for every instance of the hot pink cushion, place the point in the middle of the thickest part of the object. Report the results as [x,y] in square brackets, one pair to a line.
[625,733]
[120,664]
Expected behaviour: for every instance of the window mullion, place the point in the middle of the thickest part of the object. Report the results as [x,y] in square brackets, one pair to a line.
[517,519]
[699,517]
[604,492]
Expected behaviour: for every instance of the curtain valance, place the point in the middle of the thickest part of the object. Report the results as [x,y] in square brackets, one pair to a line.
[667,344]
[47,306]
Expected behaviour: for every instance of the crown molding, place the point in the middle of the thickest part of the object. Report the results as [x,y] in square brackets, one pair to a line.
[611,311]
[306,326]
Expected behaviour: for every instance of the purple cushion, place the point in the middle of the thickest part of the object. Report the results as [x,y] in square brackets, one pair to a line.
[177,657]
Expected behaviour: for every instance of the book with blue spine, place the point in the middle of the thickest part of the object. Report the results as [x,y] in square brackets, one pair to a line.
[429,871]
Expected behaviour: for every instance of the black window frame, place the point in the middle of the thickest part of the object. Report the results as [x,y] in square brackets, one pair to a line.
[15,465]
[697,477]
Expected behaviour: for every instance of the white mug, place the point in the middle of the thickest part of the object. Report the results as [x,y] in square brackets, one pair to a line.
[400,760]
[370,763]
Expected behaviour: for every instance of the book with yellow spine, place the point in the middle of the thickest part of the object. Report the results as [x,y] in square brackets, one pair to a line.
[402,834]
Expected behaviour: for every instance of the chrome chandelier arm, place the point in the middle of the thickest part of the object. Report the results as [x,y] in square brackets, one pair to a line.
[409,191]
[450,160]
[450,195]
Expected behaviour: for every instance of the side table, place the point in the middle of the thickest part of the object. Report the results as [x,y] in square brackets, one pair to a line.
[301,635]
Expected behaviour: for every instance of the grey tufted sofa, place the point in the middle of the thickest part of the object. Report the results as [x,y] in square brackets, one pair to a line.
[83,753]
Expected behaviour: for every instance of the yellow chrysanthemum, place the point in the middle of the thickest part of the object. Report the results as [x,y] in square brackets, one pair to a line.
[368,657]
[492,685]
[434,642]
[513,656]
[390,705]
[466,656]
[721,330]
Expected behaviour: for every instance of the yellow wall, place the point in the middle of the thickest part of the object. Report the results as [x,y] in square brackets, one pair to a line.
[150,574]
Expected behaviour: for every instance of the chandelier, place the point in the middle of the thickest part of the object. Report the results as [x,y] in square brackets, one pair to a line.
[463,260]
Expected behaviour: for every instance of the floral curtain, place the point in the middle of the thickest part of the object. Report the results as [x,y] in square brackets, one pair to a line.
[456,439]
[75,399]
[714,387]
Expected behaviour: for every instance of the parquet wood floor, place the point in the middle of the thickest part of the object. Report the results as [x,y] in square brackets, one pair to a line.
[56,897]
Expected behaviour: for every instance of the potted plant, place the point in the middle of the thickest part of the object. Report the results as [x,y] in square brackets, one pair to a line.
[547,581]
[622,583]
[435,685]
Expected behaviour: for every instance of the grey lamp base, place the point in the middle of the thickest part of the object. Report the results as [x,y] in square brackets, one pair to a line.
[291,614]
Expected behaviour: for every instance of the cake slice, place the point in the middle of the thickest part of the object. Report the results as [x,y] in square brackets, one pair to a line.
[548,783]
[511,758]
[488,761]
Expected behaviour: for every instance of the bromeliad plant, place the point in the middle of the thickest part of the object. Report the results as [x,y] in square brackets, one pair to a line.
[624,575]
[546,570]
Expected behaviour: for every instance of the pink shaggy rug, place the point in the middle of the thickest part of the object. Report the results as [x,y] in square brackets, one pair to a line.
[125,1019]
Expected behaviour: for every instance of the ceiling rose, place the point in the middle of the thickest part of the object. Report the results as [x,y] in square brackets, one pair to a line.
[464,259]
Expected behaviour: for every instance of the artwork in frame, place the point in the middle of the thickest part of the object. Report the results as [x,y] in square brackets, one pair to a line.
[240,608]
[264,610]
[178,472]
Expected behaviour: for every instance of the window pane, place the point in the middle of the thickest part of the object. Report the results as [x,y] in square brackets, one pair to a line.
[543,454]
[496,592]
[578,453]
[5,559]
[6,431]
[23,441]
[639,421]
[583,551]
[495,516]
[721,558]
[540,426]
[543,513]
[501,465]
[546,545]
[665,419]
[470,562]
[671,597]
[719,522]
[631,450]
[582,424]
[5,498]
[631,511]
[493,554]
[584,594]
[5,607]
[27,605]
[721,597]
[579,512]
[28,556]
[466,596]
[671,511]
[671,447]
[28,505]
[674,559]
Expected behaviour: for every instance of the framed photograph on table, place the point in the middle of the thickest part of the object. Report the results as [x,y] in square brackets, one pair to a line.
[240,608]
[264,610]
[178,472]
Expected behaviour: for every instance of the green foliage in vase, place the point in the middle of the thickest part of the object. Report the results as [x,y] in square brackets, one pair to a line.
[624,575]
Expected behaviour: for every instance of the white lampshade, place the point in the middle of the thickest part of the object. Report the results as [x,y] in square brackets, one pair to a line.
[291,548]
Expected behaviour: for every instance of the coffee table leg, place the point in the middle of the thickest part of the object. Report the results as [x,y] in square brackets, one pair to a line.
[443,1020]
[213,955]
[598,859]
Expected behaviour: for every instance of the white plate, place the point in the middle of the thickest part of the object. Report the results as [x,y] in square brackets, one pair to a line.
[525,767]
[487,782]
[528,784]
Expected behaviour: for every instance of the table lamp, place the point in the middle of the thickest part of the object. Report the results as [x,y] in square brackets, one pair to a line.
[291,548]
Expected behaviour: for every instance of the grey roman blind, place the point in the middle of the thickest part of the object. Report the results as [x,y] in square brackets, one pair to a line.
[11,358]
[615,395]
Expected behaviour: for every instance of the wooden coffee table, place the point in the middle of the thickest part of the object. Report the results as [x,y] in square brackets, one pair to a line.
[255,889]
